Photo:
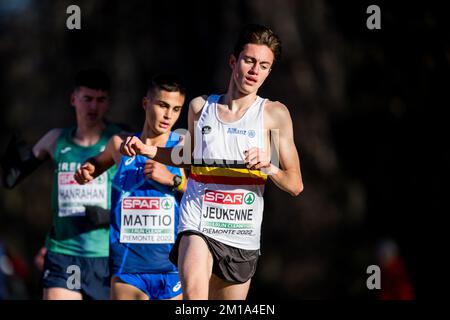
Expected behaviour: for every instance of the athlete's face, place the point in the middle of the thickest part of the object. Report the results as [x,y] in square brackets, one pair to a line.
[162,110]
[252,67]
[90,105]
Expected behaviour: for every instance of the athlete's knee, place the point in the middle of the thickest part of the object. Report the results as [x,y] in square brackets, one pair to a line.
[194,288]
[194,266]
[194,282]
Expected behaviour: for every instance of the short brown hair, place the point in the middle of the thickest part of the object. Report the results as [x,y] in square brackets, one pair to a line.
[258,34]
[168,82]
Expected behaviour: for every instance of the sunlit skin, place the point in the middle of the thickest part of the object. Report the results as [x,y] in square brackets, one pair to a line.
[162,110]
[161,113]
[248,72]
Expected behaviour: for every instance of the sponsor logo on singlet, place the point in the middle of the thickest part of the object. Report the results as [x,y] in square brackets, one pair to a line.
[226,212]
[236,131]
[223,197]
[147,220]
[206,129]
[65,150]
[249,198]
[129,160]
[72,197]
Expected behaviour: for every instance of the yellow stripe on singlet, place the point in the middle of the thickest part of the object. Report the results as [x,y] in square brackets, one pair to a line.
[228,172]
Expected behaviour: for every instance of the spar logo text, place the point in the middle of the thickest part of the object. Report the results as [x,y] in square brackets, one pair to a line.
[141,204]
[224,197]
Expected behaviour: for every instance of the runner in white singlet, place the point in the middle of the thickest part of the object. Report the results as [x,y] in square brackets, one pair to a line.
[217,246]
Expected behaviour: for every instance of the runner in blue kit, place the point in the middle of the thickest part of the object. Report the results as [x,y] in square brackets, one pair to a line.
[144,201]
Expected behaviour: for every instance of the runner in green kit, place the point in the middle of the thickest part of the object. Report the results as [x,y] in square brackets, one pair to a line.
[76,262]
[70,234]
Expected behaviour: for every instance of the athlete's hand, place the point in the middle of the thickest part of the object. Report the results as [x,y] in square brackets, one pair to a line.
[256,159]
[132,146]
[85,173]
[158,172]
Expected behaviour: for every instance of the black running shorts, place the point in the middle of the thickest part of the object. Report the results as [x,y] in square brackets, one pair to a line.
[89,276]
[229,263]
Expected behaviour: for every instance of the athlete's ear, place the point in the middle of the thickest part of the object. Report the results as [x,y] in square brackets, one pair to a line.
[72,99]
[232,61]
[145,102]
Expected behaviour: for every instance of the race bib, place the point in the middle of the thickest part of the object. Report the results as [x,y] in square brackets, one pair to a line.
[147,220]
[228,214]
[72,197]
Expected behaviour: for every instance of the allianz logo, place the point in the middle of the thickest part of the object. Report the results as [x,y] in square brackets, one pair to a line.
[250,133]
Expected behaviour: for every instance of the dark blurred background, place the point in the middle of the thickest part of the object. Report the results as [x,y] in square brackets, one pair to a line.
[367,107]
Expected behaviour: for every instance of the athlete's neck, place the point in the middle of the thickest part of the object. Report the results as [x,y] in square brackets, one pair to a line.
[88,135]
[151,138]
[236,100]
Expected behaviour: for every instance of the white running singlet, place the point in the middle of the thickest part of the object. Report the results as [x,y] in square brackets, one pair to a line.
[224,199]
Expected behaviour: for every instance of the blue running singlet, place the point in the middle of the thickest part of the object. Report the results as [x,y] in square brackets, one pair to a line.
[144,218]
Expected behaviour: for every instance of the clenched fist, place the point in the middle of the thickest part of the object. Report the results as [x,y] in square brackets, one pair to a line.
[158,172]
[256,159]
[132,146]
[85,173]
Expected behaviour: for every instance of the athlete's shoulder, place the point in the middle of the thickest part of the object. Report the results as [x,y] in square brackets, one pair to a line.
[117,139]
[47,144]
[55,132]
[276,108]
[196,104]
[51,136]
[276,113]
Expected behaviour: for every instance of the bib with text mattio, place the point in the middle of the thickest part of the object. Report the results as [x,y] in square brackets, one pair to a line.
[147,220]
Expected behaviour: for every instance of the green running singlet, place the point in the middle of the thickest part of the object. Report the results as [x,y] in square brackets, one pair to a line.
[72,233]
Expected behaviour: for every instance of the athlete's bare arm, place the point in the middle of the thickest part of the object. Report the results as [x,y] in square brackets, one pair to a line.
[288,178]
[158,172]
[133,145]
[45,147]
[95,166]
